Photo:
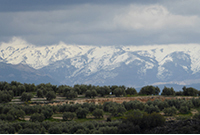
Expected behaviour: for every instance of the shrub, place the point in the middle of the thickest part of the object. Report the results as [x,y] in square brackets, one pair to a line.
[184,110]
[170,111]
[197,116]
[3,116]
[69,116]
[81,112]
[54,130]
[50,95]
[143,120]
[29,131]
[71,94]
[26,97]
[9,117]
[37,117]
[98,113]
[47,112]
[151,109]
[40,93]
[134,105]
[88,93]
[5,96]
[105,90]
[16,113]
[119,91]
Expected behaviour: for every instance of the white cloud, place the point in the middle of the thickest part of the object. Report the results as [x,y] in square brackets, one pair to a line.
[153,17]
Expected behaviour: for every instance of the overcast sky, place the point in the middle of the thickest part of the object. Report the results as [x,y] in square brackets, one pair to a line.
[101,22]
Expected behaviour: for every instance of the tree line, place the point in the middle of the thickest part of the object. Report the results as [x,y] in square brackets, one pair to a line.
[49,91]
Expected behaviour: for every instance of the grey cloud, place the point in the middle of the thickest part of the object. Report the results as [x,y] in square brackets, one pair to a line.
[93,22]
[183,7]
[46,5]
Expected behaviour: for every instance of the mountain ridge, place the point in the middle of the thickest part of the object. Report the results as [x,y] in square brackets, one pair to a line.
[70,64]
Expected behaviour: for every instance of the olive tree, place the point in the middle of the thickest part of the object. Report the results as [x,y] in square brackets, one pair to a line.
[131,91]
[168,91]
[97,113]
[47,112]
[37,117]
[170,111]
[71,94]
[69,115]
[50,95]
[40,93]
[189,91]
[26,96]
[81,112]
[119,91]
[148,90]
[151,109]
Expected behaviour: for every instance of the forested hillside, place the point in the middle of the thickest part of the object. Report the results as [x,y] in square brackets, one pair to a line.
[30,108]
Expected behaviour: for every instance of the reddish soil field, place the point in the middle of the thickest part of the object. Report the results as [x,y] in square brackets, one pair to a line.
[119,99]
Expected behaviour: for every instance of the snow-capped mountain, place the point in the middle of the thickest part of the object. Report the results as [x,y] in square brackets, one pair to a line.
[108,65]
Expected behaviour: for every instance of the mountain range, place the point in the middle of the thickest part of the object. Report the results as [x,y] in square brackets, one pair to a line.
[136,66]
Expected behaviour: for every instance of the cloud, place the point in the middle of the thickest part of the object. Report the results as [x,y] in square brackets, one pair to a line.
[153,17]
[100,23]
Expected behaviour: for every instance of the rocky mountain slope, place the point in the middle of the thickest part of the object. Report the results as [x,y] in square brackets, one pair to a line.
[108,65]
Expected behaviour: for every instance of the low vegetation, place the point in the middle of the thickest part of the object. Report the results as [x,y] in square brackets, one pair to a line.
[23,117]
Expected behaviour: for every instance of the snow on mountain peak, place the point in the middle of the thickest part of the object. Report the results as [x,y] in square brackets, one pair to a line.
[97,57]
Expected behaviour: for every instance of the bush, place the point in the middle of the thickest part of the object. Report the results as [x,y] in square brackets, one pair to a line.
[81,112]
[98,113]
[3,116]
[105,90]
[47,112]
[196,102]
[88,93]
[71,94]
[69,116]
[16,113]
[151,109]
[54,130]
[184,110]
[37,117]
[40,93]
[50,95]
[197,116]
[134,105]
[28,131]
[9,117]
[170,111]
[143,120]
[26,97]
[153,120]
[93,93]
[161,104]
[5,96]
[117,110]
[119,91]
